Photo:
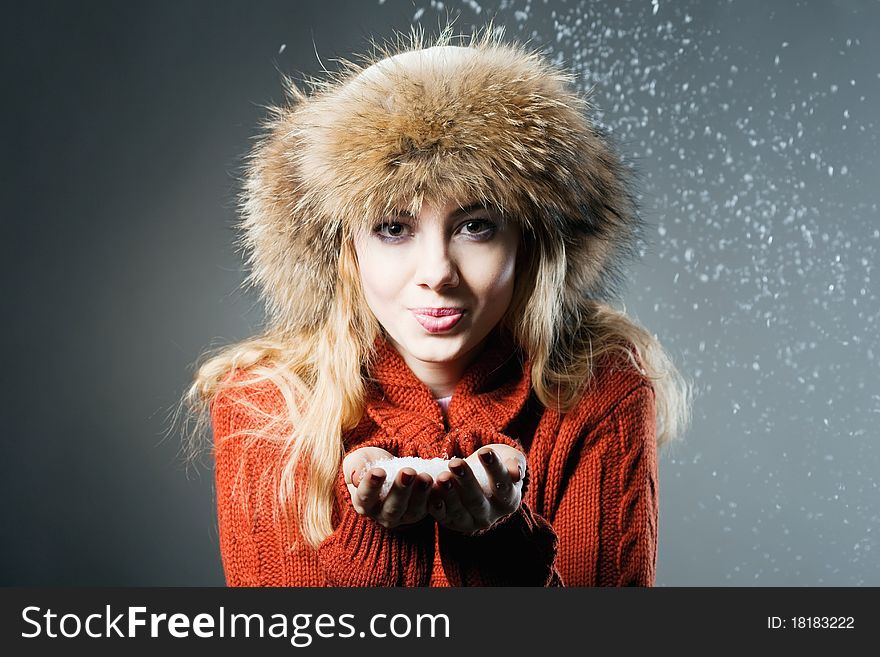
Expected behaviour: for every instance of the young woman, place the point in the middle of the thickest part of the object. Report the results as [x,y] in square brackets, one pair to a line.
[437,233]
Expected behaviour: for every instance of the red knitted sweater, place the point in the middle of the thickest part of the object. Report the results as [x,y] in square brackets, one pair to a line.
[589,512]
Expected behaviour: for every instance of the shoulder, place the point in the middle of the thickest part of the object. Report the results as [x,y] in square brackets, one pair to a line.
[243,387]
[616,388]
[246,402]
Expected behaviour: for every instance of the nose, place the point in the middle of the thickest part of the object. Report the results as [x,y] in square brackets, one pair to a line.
[436,267]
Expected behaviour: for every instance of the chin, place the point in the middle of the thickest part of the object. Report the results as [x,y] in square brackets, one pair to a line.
[443,350]
[437,349]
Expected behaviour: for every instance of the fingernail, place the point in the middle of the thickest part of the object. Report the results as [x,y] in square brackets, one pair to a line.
[406,478]
[447,484]
[424,484]
[355,477]
[487,457]
[376,478]
[457,470]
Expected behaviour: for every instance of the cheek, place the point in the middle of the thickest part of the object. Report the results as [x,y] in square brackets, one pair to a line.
[379,279]
[493,276]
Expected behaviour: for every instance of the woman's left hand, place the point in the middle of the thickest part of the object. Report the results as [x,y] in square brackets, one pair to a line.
[457,500]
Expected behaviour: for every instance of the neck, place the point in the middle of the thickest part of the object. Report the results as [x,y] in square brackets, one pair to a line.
[441,378]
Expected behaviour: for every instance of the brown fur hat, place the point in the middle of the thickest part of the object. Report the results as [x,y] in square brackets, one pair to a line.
[485,121]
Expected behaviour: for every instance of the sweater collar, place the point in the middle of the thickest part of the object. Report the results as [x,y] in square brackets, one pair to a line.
[490,394]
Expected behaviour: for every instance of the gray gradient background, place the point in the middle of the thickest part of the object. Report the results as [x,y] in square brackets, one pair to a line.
[753,127]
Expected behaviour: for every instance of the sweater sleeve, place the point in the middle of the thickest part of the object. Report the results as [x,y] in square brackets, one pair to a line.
[519,550]
[254,534]
[251,547]
[361,552]
[628,516]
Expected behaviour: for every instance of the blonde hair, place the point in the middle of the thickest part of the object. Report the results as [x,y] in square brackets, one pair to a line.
[320,375]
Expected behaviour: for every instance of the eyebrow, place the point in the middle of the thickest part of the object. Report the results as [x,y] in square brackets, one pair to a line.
[456,213]
[470,208]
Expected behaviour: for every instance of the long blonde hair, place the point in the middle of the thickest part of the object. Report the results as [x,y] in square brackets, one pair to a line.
[320,375]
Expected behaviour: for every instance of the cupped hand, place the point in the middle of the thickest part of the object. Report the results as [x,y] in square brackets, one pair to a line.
[457,500]
[407,500]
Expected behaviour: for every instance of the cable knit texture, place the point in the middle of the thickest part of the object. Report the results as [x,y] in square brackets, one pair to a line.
[589,514]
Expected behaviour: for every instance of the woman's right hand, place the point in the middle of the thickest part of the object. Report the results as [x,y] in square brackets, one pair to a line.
[407,500]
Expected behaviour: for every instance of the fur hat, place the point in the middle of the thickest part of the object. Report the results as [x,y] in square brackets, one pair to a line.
[486,121]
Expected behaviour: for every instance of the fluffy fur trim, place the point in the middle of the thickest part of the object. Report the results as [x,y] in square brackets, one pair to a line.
[484,121]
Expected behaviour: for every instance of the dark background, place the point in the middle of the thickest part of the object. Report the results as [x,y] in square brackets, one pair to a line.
[751,124]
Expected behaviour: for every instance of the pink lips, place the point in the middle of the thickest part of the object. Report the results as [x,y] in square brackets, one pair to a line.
[437,320]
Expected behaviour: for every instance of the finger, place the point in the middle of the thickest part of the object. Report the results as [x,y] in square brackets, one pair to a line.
[353,469]
[515,469]
[396,501]
[436,498]
[437,509]
[418,499]
[359,460]
[366,497]
[500,479]
[470,493]
[355,461]
[456,516]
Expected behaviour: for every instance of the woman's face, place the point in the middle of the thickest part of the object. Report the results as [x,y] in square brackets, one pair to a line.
[438,282]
